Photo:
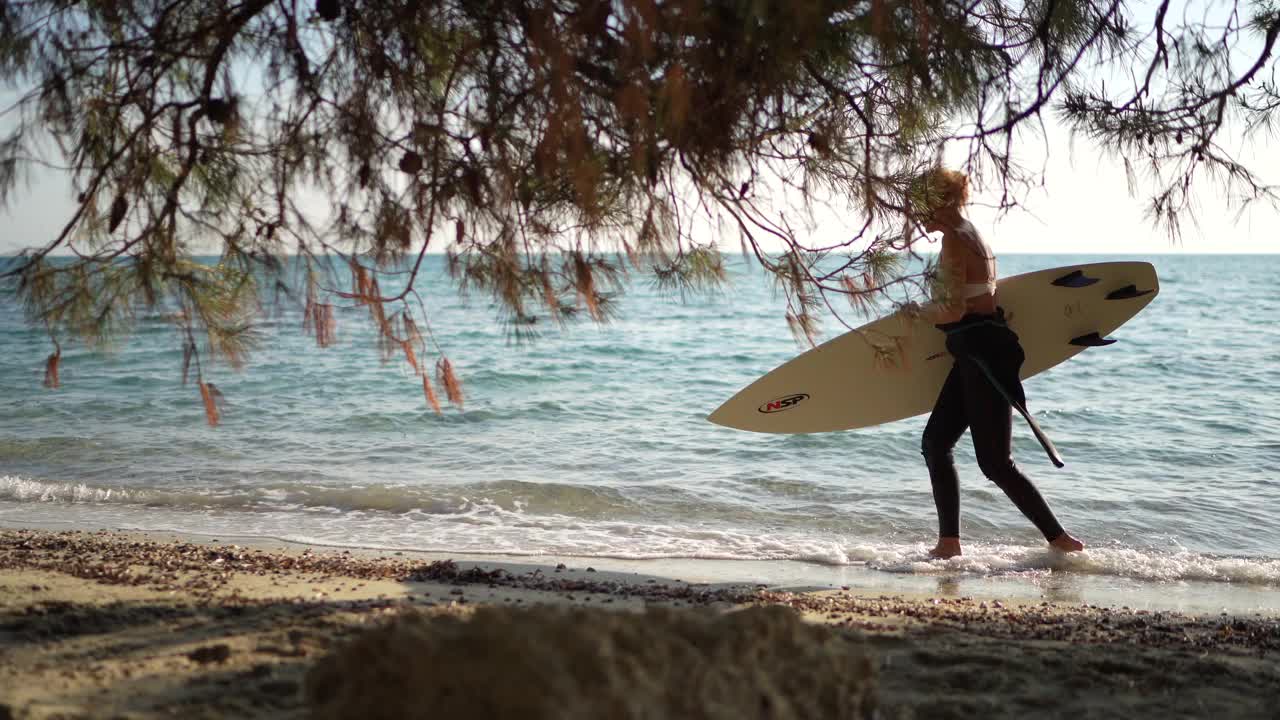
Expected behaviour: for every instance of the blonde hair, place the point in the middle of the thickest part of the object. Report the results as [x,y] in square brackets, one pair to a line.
[939,187]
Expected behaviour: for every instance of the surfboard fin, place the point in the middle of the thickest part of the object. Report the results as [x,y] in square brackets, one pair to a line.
[1127,292]
[1075,279]
[1093,339]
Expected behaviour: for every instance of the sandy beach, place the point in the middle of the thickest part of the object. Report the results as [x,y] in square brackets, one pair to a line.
[124,625]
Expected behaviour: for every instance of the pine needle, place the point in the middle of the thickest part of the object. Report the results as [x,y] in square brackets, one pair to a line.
[188,352]
[388,344]
[51,370]
[447,379]
[308,313]
[549,296]
[328,327]
[411,356]
[363,289]
[902,344]
[584,282]
[879,18]
[676,98]
[411,332]
[804,328]
[431,394]
[372,293]
[210,406]
[319,320]
[883,356]
[859,299]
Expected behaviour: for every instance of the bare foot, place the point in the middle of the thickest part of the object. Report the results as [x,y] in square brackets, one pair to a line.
[948,547]
[1066,543]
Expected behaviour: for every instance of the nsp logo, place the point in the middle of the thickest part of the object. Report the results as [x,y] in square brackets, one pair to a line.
[783,403]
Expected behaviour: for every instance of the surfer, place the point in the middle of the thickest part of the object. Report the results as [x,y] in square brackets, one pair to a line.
[983,383]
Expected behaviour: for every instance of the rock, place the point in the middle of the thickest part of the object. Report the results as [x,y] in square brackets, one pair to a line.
[279,687]
[578,663]
[210,653]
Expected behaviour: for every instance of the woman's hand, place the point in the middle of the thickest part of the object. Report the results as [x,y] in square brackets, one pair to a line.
[932,313]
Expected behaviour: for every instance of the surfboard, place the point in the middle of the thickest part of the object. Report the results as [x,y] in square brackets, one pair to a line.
[894,367]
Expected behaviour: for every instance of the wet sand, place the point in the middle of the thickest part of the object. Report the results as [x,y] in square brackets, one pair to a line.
[116,625]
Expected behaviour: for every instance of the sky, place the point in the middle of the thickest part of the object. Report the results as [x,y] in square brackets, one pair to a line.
[1084,207]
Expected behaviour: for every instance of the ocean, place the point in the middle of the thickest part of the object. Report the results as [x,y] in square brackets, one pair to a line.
[591,443]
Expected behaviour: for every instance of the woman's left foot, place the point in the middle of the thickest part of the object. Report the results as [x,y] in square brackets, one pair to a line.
[1066,543]
[947,547]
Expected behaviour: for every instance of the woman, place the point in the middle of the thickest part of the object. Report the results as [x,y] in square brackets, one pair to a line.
[986,351]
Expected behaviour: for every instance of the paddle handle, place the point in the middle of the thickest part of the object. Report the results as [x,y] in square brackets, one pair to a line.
[1045,442]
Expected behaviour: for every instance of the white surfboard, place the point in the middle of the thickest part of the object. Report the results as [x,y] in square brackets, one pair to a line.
[893,368]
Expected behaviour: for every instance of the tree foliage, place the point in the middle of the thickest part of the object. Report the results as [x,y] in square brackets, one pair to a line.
[321,147]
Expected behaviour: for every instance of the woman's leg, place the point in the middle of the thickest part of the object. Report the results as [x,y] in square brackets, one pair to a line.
[946,424]
[990,420]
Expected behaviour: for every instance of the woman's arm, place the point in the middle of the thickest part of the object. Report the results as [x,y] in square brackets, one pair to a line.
[951,271]
[938,313]
[934,313]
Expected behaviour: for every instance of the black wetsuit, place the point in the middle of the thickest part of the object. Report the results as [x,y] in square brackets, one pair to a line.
[969,399]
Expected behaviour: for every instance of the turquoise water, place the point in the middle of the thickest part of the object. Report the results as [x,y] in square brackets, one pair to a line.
[592,442]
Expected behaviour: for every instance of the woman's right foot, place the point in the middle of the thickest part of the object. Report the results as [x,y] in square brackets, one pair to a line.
[947,547]
[1066,543]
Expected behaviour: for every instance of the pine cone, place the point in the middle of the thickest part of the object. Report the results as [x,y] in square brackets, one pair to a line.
[329,9]
[411,163]
[118,210]
[219,110]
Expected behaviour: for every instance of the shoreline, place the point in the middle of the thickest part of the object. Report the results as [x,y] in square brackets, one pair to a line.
[134,623]
[1060,579]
